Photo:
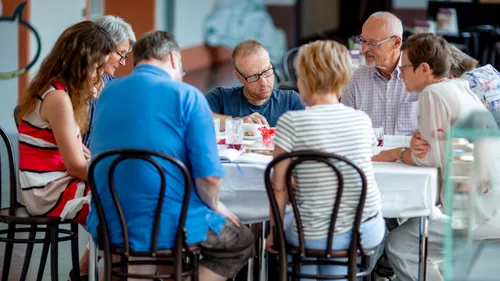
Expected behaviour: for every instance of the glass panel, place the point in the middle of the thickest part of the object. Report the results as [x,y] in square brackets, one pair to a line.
[473,191]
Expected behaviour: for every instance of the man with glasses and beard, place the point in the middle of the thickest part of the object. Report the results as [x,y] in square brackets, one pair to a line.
[256,101]
[377,88]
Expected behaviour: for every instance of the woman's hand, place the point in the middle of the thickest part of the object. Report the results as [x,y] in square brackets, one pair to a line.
[86,152]
[270,243]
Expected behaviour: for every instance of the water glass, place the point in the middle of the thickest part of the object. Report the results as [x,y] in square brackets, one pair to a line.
[217,128]
[234,133]
[379,134]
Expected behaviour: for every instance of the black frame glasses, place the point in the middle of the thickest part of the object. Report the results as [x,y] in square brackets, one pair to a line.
[254,78]
[122,57]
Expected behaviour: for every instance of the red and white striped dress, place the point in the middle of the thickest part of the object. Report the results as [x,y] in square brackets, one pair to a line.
[46,186]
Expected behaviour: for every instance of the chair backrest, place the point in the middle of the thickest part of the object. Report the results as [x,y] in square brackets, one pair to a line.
[289,64]
[120,155]
[332,161]
[12,173]
[485,38]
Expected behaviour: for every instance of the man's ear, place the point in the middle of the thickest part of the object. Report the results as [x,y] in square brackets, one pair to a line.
[238,76]
[398,42]
[172,60]
[426,69]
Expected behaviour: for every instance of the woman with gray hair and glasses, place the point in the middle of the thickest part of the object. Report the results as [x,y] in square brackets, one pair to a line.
[122,34]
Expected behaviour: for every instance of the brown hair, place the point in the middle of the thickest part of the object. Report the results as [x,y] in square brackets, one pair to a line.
[324,67]
[71,62]
[431,49]
[461,62]
[245,48]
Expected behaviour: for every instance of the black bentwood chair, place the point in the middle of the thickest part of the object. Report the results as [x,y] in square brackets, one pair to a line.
[322,256]
[184,258]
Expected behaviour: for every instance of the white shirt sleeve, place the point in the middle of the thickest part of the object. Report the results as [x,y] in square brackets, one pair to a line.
[434,125]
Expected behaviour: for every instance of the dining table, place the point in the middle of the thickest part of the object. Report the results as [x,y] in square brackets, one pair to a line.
[406,192]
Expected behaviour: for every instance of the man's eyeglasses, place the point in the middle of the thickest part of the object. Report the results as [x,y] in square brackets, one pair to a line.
[254,78]
[372,43]
[405,66]
[122,57]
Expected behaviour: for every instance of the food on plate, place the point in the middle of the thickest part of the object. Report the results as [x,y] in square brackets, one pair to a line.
[249,134]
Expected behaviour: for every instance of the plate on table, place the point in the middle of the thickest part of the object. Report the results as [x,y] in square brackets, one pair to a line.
[252,137]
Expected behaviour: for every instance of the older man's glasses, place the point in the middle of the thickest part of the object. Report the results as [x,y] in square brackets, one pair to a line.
[122,57]
[254,78]
[372,43]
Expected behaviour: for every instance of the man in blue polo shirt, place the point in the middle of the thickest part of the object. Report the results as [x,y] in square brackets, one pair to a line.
[153,109]
[256,101]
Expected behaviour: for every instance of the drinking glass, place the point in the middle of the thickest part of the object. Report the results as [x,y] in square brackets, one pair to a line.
[217,128]
[234,133]
[379,134]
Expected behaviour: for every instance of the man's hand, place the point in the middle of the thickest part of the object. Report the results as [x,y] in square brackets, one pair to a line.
[255,118]
[86,152]
[418,146]
[223,210]
[385,156]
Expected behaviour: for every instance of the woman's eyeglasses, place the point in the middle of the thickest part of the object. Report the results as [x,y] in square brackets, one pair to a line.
[122,57]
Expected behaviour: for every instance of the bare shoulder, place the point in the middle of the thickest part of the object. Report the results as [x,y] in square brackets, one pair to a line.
[56,99]
[56,103]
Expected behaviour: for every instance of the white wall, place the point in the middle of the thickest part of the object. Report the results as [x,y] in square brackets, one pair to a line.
[9,56]
[51,18]
[188,21]
[410,4]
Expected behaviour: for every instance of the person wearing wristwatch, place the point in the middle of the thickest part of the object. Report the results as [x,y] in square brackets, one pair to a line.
[441,103]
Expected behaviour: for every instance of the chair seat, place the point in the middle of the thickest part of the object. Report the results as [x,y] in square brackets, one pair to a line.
[322,253]
[22,216]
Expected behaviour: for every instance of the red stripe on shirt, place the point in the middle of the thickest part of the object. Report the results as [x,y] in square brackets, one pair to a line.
[34,132]
[39,159]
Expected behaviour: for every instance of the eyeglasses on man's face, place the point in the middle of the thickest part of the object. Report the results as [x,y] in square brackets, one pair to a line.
[254,78]
[372,43]
[403,67]
[122,57]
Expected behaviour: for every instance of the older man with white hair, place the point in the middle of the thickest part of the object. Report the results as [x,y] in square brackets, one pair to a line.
[377,88]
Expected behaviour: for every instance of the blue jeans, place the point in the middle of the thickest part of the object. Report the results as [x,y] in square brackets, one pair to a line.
[372,234]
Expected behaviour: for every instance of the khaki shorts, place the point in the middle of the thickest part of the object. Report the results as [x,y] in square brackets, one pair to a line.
[226,253]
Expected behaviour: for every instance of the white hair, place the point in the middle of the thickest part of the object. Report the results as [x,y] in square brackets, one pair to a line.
[392,24]
[119,30]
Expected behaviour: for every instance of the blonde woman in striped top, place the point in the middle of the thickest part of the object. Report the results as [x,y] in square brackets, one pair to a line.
[323,70]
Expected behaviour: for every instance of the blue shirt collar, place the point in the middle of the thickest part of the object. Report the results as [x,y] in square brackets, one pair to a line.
[152,69]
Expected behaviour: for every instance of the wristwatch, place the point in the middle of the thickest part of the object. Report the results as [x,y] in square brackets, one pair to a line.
[402,153]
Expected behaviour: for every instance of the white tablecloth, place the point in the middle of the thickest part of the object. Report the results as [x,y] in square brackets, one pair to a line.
[406,191]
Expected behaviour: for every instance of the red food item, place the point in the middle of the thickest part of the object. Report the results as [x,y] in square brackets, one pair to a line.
[267,134]
[222,141]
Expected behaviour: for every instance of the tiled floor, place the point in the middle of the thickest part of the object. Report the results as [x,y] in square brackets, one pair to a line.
[64,259]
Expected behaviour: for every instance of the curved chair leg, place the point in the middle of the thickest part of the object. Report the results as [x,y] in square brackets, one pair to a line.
[43,257]
[365,262]
[195,262]
[54,252]
[27,255]
[9,246]
[75,257]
